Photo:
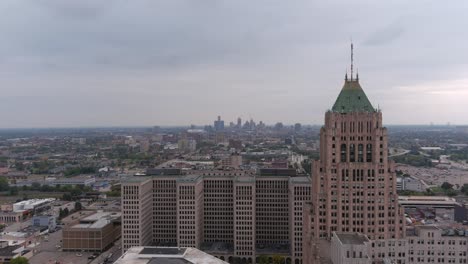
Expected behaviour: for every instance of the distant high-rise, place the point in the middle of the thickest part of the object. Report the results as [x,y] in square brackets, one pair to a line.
[219,124]
[239,122]
[297,127]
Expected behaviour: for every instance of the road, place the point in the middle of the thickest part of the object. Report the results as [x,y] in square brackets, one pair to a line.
[116,251]
[17,226]
[403,152]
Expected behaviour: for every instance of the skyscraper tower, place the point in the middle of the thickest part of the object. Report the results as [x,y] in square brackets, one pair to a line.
[218,124]
[354,183]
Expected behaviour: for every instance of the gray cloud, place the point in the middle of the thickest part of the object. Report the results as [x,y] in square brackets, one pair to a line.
[275,60]
[385,35]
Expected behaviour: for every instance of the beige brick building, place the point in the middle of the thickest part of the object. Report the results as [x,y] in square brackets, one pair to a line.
[227,215]
[423,244]
[96,232]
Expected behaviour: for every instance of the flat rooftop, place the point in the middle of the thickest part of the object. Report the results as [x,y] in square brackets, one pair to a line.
[131,179]
[97,220]
[189,178]
[169,261]
[8,251]
[167,255]
[352,239]
[300,179]
[427,200]
[246,178]
[163,251]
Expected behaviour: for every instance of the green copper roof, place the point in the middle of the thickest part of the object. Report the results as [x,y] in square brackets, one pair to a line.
[352,99]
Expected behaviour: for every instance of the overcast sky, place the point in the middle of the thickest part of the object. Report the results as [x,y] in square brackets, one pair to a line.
[180,62]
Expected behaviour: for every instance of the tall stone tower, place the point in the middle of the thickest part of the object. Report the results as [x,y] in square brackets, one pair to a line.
[354,183]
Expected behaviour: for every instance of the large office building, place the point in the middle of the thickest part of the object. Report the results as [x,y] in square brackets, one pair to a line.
[226,214]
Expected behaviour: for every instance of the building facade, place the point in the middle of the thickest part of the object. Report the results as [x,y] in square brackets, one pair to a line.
[96,233]
[228,215]
[350,248]
[354,183]
[423,244]
[49,221]
[411,184]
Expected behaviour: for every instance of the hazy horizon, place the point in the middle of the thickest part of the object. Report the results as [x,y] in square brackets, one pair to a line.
[227,127]
[92,63]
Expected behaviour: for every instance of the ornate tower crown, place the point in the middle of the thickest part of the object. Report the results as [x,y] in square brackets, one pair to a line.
[352,98]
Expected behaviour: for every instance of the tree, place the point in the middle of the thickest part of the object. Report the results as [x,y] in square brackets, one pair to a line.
[78,206]
[451,192]
[35,186]
[19,260]
[4,184]
[278,259]
[46,188]
[446,186]
[19,166]
[13,191]
[464,189]
[262,259]
[66,197]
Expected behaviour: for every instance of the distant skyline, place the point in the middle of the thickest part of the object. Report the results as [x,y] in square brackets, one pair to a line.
[96,63]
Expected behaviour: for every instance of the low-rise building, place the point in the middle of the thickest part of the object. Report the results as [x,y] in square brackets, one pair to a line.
[75,181]
[430,207]
[96,232]
[233,161]
[350,248]
[9,252]
[11,217]
[422,244]
[411,184]
[32,204]
[48,221]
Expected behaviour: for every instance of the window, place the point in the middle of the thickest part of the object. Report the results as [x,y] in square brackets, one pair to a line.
[343,152]
[352,153]
[360,153]
[369,152]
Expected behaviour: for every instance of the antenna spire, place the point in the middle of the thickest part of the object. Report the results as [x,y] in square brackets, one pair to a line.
[351,60]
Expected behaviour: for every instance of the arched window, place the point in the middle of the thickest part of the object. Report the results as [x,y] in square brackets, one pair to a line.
[360,153]
[352,153]
[369,152]
[343,152]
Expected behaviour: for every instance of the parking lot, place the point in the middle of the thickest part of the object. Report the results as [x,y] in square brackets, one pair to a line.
[109,205]
[48,252]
